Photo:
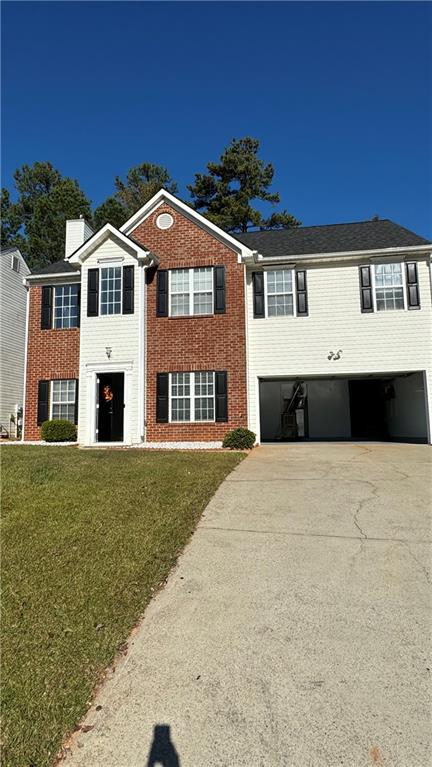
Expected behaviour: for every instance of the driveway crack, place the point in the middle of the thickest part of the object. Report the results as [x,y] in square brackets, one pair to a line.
[413,556]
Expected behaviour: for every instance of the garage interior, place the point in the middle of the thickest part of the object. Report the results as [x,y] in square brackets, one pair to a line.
[375,407]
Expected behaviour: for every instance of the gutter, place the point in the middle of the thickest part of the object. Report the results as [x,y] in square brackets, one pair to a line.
[347,255]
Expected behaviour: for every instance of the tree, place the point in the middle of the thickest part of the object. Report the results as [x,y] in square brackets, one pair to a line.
[225,194]
[10,223]
[111,211]
[36,222]
[142,182]
[47,226]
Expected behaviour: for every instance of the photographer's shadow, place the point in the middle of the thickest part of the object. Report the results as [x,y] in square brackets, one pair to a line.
[163,752]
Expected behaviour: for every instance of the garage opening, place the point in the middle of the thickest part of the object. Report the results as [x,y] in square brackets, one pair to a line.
[385,407]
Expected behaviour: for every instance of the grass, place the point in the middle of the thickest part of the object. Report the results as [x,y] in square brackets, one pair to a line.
[86,537]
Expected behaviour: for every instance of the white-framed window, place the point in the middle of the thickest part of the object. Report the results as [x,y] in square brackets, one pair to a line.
[110,289]
[192,396]
[190,291]
[279,292]
[63,396]
[66,309]
[389,286]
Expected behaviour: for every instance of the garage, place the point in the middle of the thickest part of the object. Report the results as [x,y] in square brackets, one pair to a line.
[382,407]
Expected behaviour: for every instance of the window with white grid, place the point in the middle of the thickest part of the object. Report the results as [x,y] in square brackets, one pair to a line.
[280,292]
[204,397]
[192,396]
[111,284]
[63,395]
[66,306]
[389,287]
[191,291]
[180,397]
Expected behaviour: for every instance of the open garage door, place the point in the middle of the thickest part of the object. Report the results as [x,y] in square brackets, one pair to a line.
[381,407]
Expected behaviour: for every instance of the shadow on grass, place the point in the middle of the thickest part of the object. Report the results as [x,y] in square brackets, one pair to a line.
[163,752]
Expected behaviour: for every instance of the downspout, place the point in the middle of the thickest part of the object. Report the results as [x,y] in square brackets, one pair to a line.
[25,358]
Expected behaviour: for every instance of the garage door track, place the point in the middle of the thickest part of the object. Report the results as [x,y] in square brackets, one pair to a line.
[294,631]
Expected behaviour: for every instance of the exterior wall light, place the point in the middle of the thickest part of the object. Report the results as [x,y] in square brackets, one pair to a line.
[108,351]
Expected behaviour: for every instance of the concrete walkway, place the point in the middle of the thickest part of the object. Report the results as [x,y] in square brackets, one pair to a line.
[295,631]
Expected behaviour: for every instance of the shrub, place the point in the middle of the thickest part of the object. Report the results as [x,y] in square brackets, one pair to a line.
[239,439]
[58,431]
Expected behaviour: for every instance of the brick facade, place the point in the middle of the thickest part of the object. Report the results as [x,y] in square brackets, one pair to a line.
[179,344]
[51,354]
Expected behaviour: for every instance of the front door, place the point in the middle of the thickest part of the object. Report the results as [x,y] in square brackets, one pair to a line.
[110,410]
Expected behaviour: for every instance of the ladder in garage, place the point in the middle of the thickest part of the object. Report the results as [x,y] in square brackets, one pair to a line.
[289,418]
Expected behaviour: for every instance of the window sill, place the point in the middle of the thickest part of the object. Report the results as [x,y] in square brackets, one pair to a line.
[188,316]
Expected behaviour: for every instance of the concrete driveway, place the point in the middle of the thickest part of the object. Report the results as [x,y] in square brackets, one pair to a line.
[295,630]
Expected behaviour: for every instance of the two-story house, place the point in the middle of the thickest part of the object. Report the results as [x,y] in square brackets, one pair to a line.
[172,331]
[13,303]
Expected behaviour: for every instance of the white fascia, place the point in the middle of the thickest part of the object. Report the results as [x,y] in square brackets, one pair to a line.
[348,255]
[48,279]
[108,231]
[166,197]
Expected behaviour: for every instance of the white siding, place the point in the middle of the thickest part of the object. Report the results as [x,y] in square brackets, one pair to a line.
[13,302]
[379,342]
[120,333]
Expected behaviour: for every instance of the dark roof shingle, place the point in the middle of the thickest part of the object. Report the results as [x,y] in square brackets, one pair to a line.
[331,238]
[58,267]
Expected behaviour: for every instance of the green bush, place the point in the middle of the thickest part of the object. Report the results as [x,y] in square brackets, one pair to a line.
[58,431]
[239,439]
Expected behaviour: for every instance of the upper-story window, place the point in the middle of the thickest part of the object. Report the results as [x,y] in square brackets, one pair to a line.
[66,306]
[389,287]
[15,263]
[386,287]
[191,291]
[60,306]
[111,290]
[280,292]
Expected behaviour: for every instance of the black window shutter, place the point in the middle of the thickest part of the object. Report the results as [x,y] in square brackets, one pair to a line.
[128,289]
[78,306]
[365,289]
[162,383]
[43,402]
[92,292]
[301,288]
[46,307]
[76,401]
[221,389]
[258,293]
[413,293]
[219,289]
[162,293]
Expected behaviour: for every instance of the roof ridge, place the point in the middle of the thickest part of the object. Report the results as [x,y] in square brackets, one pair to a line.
[320,226]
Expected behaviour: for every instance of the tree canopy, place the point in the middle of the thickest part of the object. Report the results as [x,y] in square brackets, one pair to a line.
[225,194]
[36,222]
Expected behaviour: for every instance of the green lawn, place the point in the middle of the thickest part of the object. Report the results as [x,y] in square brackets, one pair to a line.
[86,535]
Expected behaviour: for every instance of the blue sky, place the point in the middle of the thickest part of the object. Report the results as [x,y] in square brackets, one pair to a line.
[339,94]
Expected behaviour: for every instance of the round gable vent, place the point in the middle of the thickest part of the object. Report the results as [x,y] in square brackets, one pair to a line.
[164,221]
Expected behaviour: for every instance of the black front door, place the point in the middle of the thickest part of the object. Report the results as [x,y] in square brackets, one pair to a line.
[111,407]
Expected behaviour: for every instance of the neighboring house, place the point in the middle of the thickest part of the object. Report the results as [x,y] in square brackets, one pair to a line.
[13,302]
[171,331]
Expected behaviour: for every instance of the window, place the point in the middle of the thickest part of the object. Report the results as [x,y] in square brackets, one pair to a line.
[279,292]
[389,287]
[66,300]
[63,395]
[191,291]
[111,290]
[192,396]
[15,263]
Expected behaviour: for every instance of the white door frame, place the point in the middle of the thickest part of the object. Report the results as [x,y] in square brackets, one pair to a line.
[92,396]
